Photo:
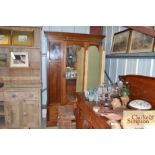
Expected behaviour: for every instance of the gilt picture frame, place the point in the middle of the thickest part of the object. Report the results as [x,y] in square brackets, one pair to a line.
[5,37]
[23,38]
[120,42]
[141,42]
[19,59]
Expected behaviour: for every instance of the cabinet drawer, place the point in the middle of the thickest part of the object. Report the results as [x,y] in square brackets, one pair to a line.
[34,95]
[1,96]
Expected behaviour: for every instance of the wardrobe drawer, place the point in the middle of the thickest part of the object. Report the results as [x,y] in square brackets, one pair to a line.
[21,95]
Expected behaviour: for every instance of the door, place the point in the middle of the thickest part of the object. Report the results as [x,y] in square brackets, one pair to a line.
[54,83]
[30,114]
[13,114]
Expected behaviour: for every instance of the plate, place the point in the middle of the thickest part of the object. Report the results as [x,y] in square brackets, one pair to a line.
[140,104]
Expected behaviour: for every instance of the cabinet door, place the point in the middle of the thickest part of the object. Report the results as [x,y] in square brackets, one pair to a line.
[30,114]
[13,114]
[54,72]
[22,114]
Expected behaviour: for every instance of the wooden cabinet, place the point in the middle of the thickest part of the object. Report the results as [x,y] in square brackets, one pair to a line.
[20,97]
[86,117]
[68,63]
[22,107]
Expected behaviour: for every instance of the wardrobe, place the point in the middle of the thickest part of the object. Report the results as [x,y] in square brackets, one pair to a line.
[75,63]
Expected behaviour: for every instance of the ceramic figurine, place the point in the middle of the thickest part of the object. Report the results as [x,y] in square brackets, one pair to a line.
[116,103]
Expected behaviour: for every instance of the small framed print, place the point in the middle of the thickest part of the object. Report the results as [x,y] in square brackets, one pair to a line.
[19,59]
[5,37]
[120,42]
[23,38]
[141,42]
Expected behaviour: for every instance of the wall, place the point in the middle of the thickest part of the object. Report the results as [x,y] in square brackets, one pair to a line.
[72,29]
[121,66]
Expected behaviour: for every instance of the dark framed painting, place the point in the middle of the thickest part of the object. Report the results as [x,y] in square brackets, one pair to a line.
[5,37]
[141,42]
[120,42]
[55,51]
[23,38]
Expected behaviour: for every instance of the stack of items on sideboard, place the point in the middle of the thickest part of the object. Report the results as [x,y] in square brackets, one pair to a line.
[110,95]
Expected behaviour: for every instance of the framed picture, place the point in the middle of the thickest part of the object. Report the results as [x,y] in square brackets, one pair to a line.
[120,42]
[141,42]
[23,38]
[55,50]
[5,37]
[19,59]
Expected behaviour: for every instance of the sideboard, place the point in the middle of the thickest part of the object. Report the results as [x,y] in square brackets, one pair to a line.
[141,87]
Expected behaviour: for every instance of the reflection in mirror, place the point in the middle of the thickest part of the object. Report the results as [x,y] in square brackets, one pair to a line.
[71,61]
[74,69]
[71,57]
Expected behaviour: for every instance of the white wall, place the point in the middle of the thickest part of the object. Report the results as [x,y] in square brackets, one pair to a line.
[72,29]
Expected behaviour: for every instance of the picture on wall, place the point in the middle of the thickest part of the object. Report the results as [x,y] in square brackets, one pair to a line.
[23,38]
[55,53]
[120,42]
[5,37]
[19,59]
[141,42]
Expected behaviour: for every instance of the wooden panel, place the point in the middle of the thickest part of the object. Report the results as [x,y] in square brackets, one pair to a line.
[96,30]
[52,115]
[30,114]
[85,116]
[70,87]
[141,87]
[21,95]
[13,114]
[143,29]
[54,83]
